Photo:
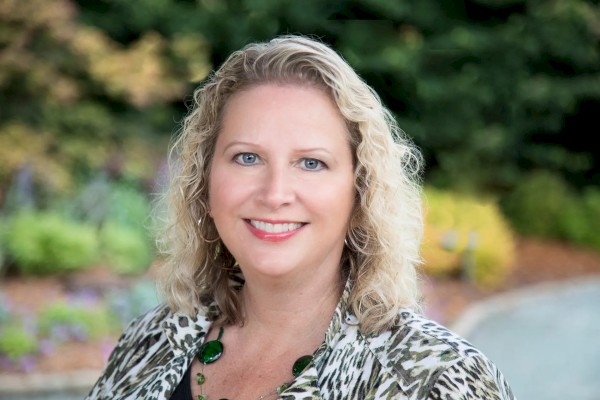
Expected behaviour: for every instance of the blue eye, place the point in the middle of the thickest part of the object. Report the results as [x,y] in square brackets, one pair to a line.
[246,158]
[312,164]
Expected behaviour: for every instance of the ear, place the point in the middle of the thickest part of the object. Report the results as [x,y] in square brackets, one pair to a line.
[355,217]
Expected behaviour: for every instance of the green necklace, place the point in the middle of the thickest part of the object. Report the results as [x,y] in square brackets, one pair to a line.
[212,350]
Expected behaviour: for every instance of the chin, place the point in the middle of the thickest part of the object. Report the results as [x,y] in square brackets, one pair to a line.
[270,270]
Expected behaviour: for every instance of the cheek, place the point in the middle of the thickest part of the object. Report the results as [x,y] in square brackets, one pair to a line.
[216,192]
[346,202]
[218,198]
[225,192]
[347,198]
[335,201]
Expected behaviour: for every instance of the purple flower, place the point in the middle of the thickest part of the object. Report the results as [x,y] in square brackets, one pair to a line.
[5,362]
[78,332]
[86,297]
[27,363]
[60,332]
[46,347]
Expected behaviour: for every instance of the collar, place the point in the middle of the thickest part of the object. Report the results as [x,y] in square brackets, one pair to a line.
[340,320]
[186,334]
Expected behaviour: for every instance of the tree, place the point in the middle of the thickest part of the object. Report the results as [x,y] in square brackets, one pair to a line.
[73,100]
[489,89]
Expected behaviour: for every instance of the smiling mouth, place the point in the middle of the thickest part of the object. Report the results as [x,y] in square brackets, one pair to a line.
[277,227]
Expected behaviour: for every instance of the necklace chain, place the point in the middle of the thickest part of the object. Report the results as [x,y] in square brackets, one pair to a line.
[212,350]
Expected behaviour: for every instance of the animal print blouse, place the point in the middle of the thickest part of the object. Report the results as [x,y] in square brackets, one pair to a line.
[417,359]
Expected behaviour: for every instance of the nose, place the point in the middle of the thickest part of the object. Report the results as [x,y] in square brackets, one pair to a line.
[277,188]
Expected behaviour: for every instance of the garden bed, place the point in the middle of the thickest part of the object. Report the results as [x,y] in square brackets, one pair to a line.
[537,261]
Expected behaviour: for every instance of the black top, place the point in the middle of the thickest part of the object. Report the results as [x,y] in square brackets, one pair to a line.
[183,391]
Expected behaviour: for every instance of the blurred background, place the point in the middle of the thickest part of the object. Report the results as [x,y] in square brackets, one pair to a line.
[502,97]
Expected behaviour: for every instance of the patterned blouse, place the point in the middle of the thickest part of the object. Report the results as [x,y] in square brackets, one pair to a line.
[417,359]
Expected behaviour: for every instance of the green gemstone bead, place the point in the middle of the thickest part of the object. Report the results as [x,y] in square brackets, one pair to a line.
[202,397]
[282,387]
[210,351]
[300,365]
[200,378]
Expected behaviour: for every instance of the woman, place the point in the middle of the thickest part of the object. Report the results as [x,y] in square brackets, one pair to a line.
[294,236]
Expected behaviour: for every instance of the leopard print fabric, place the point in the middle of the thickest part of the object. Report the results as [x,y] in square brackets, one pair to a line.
[417,359]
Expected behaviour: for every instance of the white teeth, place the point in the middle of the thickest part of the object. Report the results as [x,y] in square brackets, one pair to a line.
[275,228]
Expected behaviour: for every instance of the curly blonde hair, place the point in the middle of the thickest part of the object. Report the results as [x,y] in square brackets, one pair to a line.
[385,231]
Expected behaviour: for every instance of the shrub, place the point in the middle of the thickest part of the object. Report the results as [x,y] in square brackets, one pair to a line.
[101,200]
[129,207]
[536,205]
[16,342]
[65,322]
[119,210]
[579,219]
[543,205]
[2,244]
[466,236]
[125,249]
[45,242]
[4,310]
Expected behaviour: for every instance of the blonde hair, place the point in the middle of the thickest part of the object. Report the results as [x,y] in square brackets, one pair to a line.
[384,236]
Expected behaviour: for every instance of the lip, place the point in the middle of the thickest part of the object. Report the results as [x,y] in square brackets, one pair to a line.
[273,236]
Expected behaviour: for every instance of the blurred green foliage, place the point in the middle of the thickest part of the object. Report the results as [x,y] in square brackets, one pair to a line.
[2,253]
[76,322]
[544,205]
[125,250]
[129,207]
[4,310]
[16,342]
[85,315]
[580,220]
[75,101]
[91,92]
[105,223]
[536,205]
[489,89]
[43,243]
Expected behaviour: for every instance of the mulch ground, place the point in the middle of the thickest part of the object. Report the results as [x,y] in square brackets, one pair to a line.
[445,299]
[536,262]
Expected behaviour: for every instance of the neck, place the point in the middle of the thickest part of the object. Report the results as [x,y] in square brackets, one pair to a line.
[285,310]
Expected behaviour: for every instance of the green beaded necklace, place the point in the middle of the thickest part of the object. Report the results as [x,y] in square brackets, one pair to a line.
[212,350]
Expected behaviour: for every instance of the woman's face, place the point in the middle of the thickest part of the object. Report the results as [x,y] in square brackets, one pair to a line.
[281,184]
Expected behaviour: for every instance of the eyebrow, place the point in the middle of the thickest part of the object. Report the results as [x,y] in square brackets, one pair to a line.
[237,142]
[301,150]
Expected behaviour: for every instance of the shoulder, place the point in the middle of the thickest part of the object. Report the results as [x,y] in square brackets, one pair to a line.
[416,337]
[141,339]
[425,356]
[142,331]
[145,324]
[153,317]
[152,355]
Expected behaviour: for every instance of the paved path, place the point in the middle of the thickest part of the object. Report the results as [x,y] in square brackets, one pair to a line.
[67,386]
[545,339]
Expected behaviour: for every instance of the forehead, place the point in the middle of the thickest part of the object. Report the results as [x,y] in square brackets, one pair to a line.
[276,91]
[286,108]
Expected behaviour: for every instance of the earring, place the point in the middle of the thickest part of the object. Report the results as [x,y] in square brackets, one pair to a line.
[201,228]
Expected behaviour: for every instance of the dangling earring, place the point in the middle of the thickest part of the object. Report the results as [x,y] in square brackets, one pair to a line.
[201,228]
